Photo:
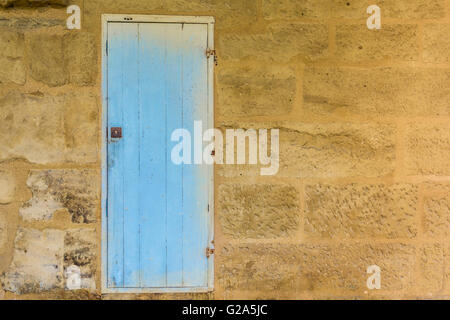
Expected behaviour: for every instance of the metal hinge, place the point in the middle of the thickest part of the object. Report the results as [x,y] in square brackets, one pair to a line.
[209,252]
[212,52]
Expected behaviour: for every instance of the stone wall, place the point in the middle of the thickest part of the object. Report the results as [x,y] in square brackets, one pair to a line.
[364,147]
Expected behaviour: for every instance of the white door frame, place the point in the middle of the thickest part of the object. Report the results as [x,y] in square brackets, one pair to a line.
[134,18]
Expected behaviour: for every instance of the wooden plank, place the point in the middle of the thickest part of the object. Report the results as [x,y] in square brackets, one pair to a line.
[153,154]
[195,191]
[115,157]
[174,105]
[130,132]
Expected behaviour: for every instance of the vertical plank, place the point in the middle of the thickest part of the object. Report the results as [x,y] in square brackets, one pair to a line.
[195,189]
[115,157]
[153,154]
[174,105]
[130,133]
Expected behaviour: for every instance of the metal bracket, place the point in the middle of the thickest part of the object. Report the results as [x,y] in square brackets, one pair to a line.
[209,252]
[212,52]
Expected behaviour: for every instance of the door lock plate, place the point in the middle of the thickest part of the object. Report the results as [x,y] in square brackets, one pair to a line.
[116,132]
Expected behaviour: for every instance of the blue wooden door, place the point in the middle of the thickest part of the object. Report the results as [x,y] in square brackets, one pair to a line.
[157,211]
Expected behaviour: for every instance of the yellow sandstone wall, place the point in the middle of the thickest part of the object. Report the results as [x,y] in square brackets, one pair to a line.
[364,147]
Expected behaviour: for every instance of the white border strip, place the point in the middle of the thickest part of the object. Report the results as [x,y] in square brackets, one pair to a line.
[156,18]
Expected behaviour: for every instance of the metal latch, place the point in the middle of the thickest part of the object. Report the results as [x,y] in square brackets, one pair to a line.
[209,252]
[212,52]
[116,132]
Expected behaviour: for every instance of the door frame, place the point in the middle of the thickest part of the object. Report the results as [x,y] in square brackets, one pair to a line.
[134,18]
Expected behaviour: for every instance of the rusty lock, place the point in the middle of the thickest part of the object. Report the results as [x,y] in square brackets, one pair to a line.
[116,132]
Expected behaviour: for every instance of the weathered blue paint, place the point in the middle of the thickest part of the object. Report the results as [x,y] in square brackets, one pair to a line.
[195,189]
[157,212]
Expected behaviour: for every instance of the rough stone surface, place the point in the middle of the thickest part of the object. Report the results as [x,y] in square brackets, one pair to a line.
[436,45]
[29,23]
[324,150]
[280,42]
[259,211]
[431,266]
[358,43]
[364,170]
[437,216]
[7,187]
[81,112]
[427,146]
[3,231]
[37,261]
[361,211]
[80,58]
[59,59]
[228,14]
[13,68]
[46,58]
[225,170]
[47,129]
[399,9]
[32,127]
[312,268]
[387,91]
[336,150]
[41,257]
[73,190]
[250,91]
[80,247]
[296,9]
[323,9]
[436,187]
[446,268]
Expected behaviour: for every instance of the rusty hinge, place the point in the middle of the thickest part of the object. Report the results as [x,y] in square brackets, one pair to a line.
[212,52]
[209,251]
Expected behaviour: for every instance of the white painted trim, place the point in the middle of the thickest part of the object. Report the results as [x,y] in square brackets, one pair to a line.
[160,19]
[211,212]
[104,136]
[157,290]
[157,18]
